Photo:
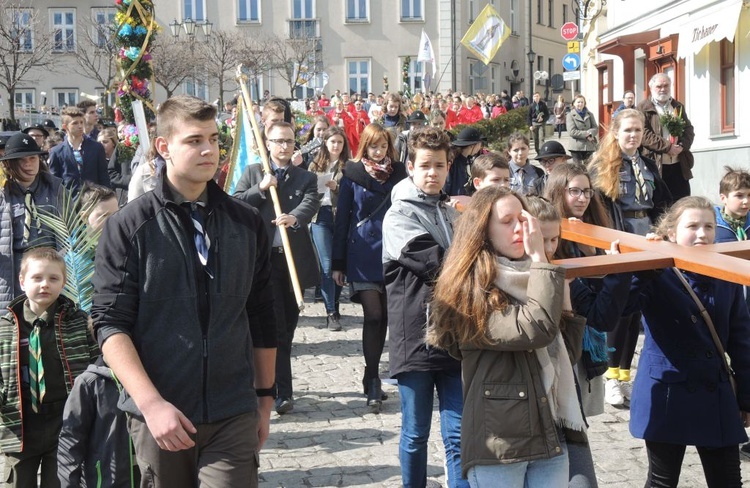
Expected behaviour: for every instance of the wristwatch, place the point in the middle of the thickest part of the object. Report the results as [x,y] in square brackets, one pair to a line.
[268,392]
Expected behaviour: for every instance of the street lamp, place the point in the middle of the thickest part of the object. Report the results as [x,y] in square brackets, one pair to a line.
[189,26]
[531,56]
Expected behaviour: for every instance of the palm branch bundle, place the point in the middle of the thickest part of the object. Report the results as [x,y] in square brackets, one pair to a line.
[77,243]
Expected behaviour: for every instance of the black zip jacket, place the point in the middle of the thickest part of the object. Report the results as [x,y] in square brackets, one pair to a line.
[195,335]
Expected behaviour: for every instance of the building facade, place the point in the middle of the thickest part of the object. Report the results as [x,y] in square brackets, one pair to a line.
[360,44]
[703,46]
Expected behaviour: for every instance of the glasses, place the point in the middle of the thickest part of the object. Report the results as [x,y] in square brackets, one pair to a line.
[282,142]
[577,192]
[548,162]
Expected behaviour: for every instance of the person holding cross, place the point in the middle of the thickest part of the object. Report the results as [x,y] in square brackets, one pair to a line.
[635,196]
[686,394]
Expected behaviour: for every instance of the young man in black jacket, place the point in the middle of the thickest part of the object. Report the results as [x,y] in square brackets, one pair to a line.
[538,115]
[184,314]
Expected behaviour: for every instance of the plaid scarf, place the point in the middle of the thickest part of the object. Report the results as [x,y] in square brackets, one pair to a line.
[737,225]
[379,170]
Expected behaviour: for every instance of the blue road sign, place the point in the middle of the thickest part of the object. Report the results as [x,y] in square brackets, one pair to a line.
[571,61]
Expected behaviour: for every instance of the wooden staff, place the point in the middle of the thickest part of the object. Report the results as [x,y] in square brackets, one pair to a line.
[248,106]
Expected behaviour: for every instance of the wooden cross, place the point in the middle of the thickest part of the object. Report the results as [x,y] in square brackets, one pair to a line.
[727,261]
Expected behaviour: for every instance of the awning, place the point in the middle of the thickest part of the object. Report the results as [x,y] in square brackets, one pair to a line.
[709,25]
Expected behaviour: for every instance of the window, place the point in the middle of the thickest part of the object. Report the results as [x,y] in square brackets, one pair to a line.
[471,11]
[565,14]
[24,100]
[248,11]
[104,19]
[63,29]
[416,73]
[550,13]
[303,24]
[65,96]
[539,16]
[514,17]
[22,29]
[727,85]
[477,80]
[411,10]
[194,9]
[303,9]
[539,63]
[196,87]
[356,10]
[359,76]
[111,97]
[494,70]
[550,67]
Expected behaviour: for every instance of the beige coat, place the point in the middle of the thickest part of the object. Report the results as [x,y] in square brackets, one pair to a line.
[580,127]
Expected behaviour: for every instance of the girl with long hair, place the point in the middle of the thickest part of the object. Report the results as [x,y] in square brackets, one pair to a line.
[314,139]
[635,196]
[364,198]
[394,114]
[498,306]
[328,166]
[683,394]
[582,127]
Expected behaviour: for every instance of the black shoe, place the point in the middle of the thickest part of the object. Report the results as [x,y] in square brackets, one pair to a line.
[284,405]
[333,321]
[366,388]
[374,395]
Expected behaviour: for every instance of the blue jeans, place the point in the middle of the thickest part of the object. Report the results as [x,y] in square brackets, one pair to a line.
[416,389]
[542,473]
[322,236]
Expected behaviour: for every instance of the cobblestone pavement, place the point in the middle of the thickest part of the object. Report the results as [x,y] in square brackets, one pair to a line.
[331,438]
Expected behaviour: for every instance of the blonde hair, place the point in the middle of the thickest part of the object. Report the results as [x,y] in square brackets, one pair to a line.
[668,221]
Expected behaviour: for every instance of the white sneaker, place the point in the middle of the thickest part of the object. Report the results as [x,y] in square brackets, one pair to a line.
[626,387]
[613,393]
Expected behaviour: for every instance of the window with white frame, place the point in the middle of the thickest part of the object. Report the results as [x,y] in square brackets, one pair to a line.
[102,94]
[194,9]
[22,29]
[24,100]
[416,71]
[477,80]
[63,22]
[359,75]
[356,10]
[514,19]
[65,96]
[412,10]
[303,9]
[248,11]
[196,87]
[104,19]
[494,70]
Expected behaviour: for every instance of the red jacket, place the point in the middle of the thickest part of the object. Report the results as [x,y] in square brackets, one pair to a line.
[470,115]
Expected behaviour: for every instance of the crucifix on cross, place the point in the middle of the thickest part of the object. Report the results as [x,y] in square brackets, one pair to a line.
[726,261]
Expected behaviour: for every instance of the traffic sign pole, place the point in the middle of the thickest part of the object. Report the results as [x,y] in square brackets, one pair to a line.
[572,61]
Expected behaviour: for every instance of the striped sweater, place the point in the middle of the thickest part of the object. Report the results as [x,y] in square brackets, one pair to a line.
[77,350]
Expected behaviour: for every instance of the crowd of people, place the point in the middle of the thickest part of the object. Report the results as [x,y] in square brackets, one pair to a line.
[447,246]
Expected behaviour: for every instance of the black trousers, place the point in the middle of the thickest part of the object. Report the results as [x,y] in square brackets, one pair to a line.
[720,465]
[677,184]
[287,315]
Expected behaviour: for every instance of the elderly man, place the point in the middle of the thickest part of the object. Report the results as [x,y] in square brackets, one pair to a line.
[672,154]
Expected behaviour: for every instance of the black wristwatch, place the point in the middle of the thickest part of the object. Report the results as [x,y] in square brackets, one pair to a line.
[268,392]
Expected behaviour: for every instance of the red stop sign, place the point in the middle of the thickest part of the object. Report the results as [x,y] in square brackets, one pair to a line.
[569,31]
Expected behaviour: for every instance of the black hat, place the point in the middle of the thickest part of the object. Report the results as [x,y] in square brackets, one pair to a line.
[4,136]
[417,116]
[49,124]
[38,127]
[468,137]
[551,149]
[21,145]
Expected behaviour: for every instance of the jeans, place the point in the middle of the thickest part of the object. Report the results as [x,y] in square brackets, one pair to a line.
[416,389]
[720,465]
[322,237]
[542,473]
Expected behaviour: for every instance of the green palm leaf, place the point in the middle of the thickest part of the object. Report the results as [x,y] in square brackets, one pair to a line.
[78,245]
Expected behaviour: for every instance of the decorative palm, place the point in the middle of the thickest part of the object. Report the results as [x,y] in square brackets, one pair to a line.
[78,244]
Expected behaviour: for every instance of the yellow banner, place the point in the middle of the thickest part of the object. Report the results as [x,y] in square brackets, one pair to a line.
[486,34]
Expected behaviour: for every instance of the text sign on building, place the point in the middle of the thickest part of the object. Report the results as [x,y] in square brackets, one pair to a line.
[571,62]
[574,46]
[569,31]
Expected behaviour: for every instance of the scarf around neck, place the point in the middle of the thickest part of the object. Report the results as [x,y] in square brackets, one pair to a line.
[737,225]
[554,362]
[378,170]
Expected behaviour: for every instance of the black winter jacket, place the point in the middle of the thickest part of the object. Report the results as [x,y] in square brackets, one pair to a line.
[194,335]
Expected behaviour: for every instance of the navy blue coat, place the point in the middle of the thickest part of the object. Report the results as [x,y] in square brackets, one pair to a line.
[357,251]
[62,163]
[682,393]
